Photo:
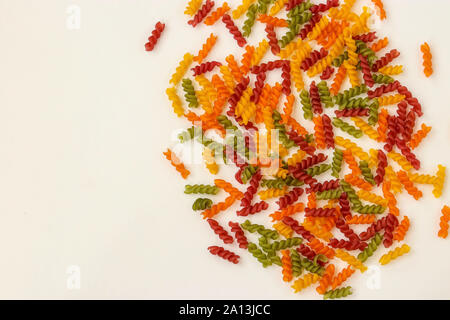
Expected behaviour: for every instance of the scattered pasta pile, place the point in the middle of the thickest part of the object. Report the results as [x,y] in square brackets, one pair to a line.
[331,200]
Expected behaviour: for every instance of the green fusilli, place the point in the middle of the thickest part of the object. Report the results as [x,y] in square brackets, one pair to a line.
[200,189]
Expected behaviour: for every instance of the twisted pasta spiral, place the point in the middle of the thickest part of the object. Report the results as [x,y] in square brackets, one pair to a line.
[202,204]
[338,156]
[427,59]
[445,218]
[287,265]
[390,100]
[361,219]
[381,44]
[238,234]
[394,254]
[338,293]
[259,255]
[305,282]
[391,70]
[371,197]
[296,260]
[440,179]
[201,13]
[401,229]
[318,28]
[220,231]
[338,80]
[216,15]
[326,280]
[320,248]
[224,254]
[288,211]
[370,249]
[344,126]
[366,128]
[221,206]
[394,181]
[382,79]
[247,225]
[356,150]
[279,245]
[182,68]
[315,171]
[341,277]
[312,267]
[366,172]
[176,163]
[329,194]
[201,189]
[176,102]
[351,260]
[307,106]
[190,95]
[192,7]
[417,138]
[408,184]
[283,229]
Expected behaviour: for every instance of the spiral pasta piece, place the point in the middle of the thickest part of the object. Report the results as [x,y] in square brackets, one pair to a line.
[439,182]
[206,48]
[351,162]
[192,7]
[286,265]
[260,52]
[217,15]
[409,185]
[182,69]
[380,6]
[427,60]
[202,204]
[288,211]
[176,101]
[381,44]
[338,293]
[228,187]
[394,254]
[224,254]
[357,151]
[305,282]
[395,183]
[219,207]
[417,138]
[342,276]
[371,197]
[366,128]
[201,189]
[319,132]
[272,193]
[242,8]
[326,280]
[402,228]
[361,219]
[283,229]
[445,218]
[351,260]
[390,100]
[338,80]
[391,70]
[176,163]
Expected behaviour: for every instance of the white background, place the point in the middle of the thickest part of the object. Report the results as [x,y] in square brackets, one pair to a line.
[84,121]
